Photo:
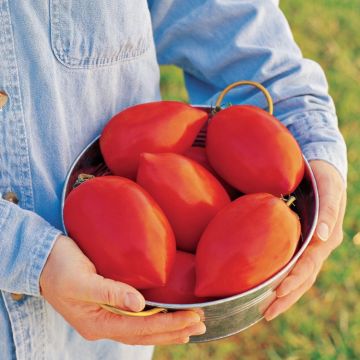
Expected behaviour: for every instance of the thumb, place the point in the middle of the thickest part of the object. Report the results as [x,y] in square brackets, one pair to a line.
[330,188]
[106,291]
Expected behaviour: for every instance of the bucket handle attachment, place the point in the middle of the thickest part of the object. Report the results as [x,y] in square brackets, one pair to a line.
[241,83]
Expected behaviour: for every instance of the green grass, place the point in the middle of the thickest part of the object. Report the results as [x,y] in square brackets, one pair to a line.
[325,323]
[172,84]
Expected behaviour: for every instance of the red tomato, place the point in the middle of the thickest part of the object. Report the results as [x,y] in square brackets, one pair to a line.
[121,230]
[181,284]
[253,151]
[188,194]
[198,154]
[163,126]
[245,244]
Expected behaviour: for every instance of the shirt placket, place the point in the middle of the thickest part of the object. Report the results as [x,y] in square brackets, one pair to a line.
[15,175]
[15,167]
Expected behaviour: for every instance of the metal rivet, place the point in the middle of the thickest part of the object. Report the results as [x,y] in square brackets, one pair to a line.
[17,297]
[3,99]
[11,196]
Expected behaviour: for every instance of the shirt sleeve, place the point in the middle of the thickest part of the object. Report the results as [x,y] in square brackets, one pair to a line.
[23,258]
[218,42]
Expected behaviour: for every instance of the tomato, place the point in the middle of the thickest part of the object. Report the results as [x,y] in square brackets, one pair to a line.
[121,229]
[181,284]
[245,244]
[188,194]
[198,154]
[163,126]
[253,151]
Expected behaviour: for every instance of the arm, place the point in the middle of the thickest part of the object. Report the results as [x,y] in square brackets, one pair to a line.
[219,42]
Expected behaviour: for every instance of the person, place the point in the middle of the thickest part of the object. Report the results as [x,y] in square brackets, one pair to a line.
[66,68]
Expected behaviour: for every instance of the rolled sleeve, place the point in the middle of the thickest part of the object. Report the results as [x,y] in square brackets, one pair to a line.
[320,139]
[25,243]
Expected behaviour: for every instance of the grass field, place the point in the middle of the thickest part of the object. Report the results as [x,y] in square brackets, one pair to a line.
[325,323]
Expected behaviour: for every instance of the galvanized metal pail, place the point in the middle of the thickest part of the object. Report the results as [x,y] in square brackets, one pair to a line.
[233,314]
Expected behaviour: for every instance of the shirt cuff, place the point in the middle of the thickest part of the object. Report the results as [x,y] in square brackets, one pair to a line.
[334,154]
[26,240]
[40,256]
[319,137]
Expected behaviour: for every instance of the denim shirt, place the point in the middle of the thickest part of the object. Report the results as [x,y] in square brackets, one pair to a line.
[68,66]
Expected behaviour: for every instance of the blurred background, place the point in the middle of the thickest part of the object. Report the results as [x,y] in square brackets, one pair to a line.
[325,323]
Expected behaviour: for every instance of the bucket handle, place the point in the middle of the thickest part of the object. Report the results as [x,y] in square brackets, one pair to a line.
[144,313]
[241,83]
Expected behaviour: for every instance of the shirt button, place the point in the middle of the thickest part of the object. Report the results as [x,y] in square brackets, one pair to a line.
[3,99]
[17,297]
[11,196]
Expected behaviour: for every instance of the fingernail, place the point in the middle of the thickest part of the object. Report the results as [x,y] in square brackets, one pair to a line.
[198,329]
[200,312]
[282,292]
[323,232]
[195,319]
[270,316]
[183,340]
[285,289]
[133,302]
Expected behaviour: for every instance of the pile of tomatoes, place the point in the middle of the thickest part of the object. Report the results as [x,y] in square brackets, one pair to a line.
[187,224]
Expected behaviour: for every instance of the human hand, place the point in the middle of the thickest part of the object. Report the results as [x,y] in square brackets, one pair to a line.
[328,236]
[69,282]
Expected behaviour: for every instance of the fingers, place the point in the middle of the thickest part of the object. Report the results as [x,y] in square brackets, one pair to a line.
[330,188]
[96,289]
[308,264]
[170,328]
[144,326]
[304,274]
[282,304]
[174,337]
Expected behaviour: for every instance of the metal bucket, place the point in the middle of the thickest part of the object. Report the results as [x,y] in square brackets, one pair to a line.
[233,314]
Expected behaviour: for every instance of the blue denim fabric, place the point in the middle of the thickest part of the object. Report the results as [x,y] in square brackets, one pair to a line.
[68,66]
